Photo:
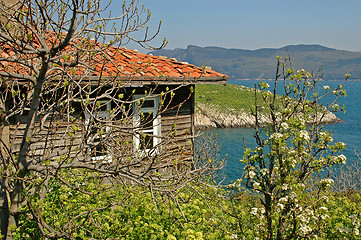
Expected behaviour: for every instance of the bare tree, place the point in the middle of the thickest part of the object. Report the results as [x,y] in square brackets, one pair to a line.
[64,112]
[347,177]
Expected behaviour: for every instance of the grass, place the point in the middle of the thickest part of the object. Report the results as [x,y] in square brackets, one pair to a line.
[233,99]
[228,98]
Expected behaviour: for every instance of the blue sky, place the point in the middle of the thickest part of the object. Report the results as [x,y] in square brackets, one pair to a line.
[254,24]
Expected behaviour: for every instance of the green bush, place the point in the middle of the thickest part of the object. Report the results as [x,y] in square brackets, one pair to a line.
[126,212]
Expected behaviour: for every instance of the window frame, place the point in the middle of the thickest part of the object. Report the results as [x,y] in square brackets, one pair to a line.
[106,158]
[156,129]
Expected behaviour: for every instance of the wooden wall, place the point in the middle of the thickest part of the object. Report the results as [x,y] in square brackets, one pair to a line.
[176,129]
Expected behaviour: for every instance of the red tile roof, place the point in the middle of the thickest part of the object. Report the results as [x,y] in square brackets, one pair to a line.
[128,65]
[143,65]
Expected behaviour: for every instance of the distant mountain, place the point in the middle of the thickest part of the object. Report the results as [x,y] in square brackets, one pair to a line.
[261,63]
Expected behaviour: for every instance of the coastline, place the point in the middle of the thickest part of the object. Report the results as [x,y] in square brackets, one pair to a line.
[208,116]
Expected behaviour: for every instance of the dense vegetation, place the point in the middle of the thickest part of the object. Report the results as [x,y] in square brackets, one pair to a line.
[136,212]
[254,64]
[211,214]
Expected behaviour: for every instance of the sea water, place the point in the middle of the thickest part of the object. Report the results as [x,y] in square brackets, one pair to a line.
[230,140]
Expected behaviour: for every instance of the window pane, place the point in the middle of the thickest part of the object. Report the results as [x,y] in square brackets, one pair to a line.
[103,107]
[98,148]
[146,120]
[146,141]
[148,103]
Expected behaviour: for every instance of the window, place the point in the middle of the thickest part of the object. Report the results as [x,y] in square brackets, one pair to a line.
[97,126]
[146,124]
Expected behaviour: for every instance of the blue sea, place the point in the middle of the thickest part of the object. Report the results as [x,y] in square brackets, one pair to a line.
[230,140]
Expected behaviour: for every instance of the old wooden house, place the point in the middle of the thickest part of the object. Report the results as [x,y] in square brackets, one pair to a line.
[129,109]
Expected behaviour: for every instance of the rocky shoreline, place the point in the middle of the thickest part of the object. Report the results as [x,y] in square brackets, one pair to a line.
[208,116]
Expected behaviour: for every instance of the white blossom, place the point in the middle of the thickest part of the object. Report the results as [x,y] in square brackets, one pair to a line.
[342,158]
[262,210]
[305,229]
[278,114]
[303,218]
[325,136]
[304,135]
[324,216]
[323,208]
[356,224]
[327,181]
[355,221]
[233,236]
[280,206]
[276,136]
[308,84]
[326,87]
[264,171]
[344,229]
[335,106]
[256,185]
[293,195]
[254,211]
[301,185]
[283,199]
[284,125]
[293,161]
[251,174]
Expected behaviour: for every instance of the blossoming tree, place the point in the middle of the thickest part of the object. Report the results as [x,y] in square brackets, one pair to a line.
[292,151]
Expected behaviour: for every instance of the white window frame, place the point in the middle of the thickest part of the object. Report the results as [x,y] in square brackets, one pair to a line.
[107,158]
[156,130]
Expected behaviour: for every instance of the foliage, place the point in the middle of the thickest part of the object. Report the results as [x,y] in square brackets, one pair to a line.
[135,213]
[338,218]
[202,213]
[343,221]
[293,149]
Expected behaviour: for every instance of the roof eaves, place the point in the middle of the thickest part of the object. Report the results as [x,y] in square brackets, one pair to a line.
[161,80]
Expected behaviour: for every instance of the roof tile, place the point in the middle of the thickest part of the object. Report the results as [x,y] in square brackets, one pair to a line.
[122,62]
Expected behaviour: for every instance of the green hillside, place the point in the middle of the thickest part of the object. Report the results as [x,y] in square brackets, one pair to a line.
[227,98]
[261,63]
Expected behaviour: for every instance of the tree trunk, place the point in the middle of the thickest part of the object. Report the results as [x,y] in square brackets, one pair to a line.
[4,204]
[14,209]
[22,162]
[4,211]
[268,207]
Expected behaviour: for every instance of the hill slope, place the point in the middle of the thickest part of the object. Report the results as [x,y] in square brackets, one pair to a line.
[230,106]
[261,63]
